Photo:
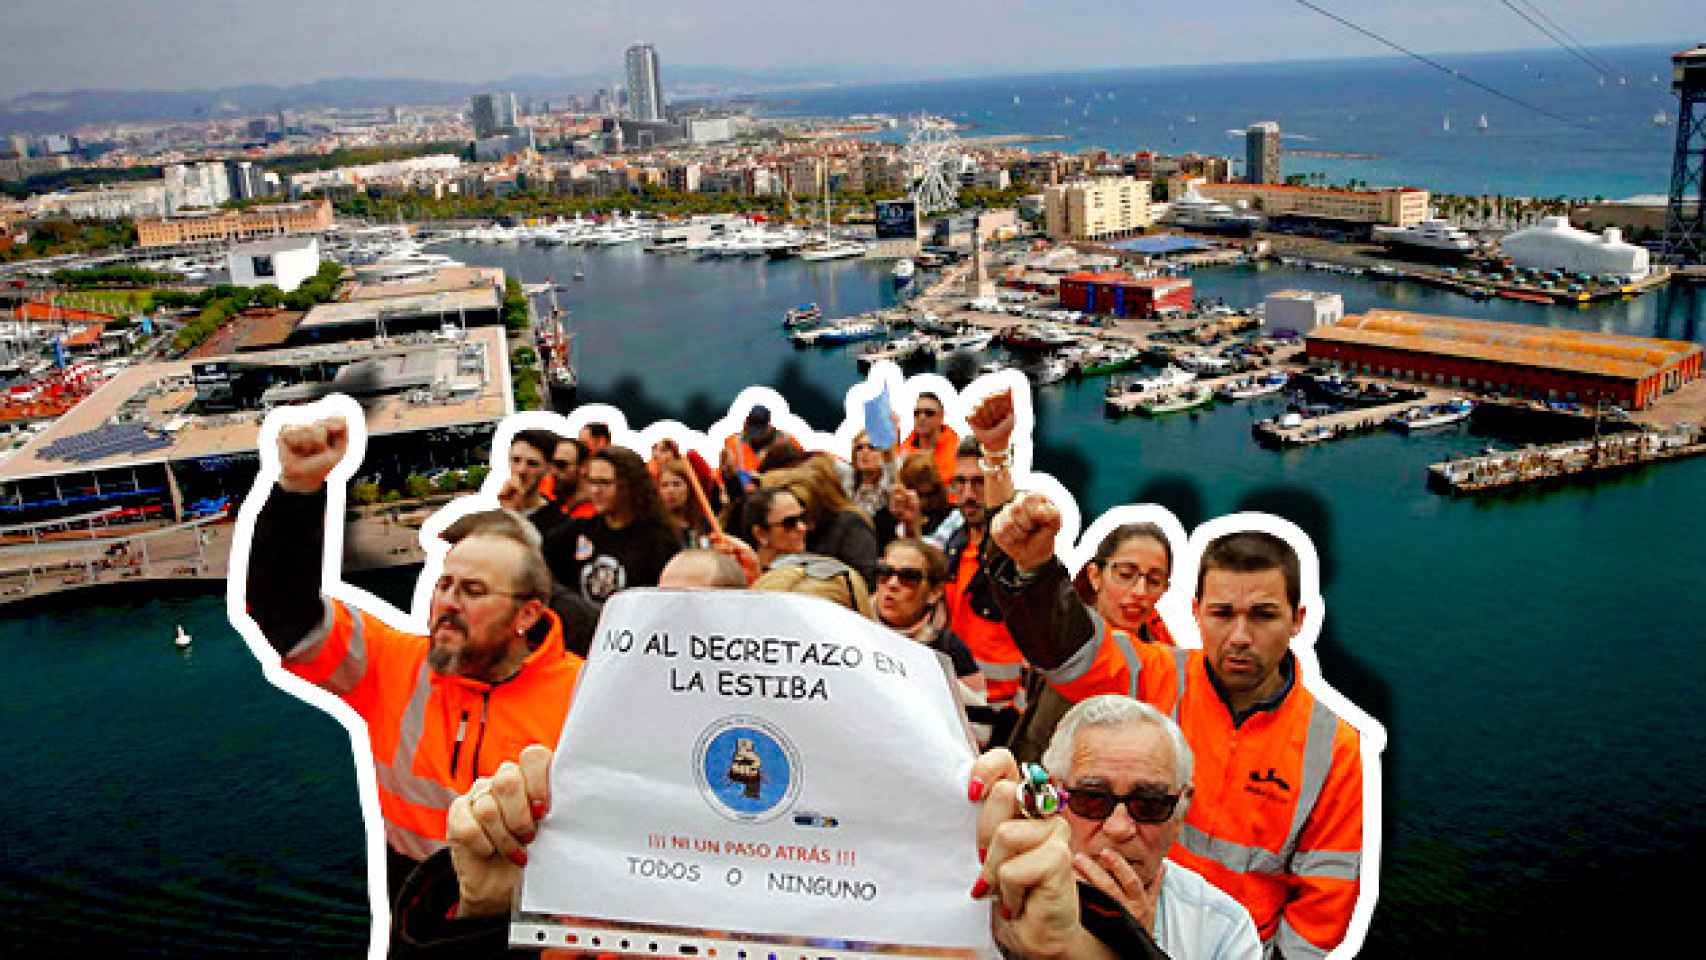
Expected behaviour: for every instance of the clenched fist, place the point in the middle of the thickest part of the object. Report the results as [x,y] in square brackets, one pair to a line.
[306,455]
[1025,530]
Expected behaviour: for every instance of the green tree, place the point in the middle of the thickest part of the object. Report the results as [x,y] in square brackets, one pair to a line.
[364,493]
[416,485]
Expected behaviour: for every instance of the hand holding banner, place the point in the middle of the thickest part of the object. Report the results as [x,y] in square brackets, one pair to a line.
[757,769]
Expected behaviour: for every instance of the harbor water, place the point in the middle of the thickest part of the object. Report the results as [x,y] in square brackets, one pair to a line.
[1534,658]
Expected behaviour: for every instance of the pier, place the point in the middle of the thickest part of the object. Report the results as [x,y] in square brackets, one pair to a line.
[1344,423]
[1555,462]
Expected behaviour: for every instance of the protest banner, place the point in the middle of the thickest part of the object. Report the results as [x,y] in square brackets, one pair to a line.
[756,770]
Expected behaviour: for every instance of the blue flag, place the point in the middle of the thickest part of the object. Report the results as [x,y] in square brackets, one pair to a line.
[879,421]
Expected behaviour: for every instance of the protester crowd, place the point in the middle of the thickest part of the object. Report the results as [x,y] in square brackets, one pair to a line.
[1211,805]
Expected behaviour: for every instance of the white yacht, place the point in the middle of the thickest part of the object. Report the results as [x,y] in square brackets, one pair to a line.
[1434,236]
[903,271]
[833,250]
[1194,211]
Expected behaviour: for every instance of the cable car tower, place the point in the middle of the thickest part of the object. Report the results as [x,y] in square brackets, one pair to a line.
[1685,216]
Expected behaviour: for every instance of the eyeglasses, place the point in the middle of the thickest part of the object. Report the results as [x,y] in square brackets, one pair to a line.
[1144,805]
[1127,575]
[911,576]
[471,591]
[926,412]
[794,522]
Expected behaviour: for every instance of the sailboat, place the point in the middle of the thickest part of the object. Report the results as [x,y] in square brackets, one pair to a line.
[1481,122]
[182,639]
[1447,123]
[1015,99]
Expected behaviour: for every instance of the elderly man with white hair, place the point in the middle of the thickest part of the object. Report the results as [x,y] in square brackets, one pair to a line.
[1126,770]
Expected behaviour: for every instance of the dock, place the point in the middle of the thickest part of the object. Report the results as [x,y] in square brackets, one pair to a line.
[1345,423]
[1563,461]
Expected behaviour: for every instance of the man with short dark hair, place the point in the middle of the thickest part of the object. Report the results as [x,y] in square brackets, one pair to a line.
[595,436]
[931,434]
[1278,820]
[489,678]
[743,452]
[530,478]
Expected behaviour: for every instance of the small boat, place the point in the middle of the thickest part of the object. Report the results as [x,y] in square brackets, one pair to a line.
[969,339]
[804,313]
[1124,396]
[1525,296]
[900,350]
[845,331]
[1481,122]
[903,272]
[1248,388]
[1050,370]
[1187,399]
[1433,415]
[1109,360]
[182,639]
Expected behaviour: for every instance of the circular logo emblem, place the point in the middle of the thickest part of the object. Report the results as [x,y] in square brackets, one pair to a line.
[748,770]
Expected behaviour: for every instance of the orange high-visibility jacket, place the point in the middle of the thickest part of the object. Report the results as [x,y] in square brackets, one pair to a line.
[432,734]
[997,656]
[946,454]
[1276,821]
[741,454]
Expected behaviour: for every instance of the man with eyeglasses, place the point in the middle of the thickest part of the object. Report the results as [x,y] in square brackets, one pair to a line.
[490,677]
[931,434]
[1126,769]
[1277,822]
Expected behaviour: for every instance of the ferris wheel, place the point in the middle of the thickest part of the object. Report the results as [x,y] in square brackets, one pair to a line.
[932,158]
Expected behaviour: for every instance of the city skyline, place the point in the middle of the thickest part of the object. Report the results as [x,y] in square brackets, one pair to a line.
[202,44]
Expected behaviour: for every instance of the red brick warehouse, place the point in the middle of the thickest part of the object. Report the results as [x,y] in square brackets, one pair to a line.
[1513,359]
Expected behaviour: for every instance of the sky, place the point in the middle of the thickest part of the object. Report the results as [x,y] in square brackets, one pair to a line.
[52,45]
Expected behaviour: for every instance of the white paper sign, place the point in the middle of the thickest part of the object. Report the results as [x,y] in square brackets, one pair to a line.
[763,769]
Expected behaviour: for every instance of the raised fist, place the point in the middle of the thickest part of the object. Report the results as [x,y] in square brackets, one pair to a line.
[306,455]
[1025,530]
[991,421]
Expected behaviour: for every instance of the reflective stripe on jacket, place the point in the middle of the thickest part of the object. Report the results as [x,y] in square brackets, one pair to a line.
[997,656]
[432,734]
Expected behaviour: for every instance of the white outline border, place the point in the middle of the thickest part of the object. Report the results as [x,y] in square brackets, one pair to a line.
[1077,544]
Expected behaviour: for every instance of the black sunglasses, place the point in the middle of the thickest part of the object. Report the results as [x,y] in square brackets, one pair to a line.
[1145,805]
[792,523]
[911,576]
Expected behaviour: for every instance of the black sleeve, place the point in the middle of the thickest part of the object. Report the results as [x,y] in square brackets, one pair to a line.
[559,550]
[660,546]
[1042,612]
[858,547]
[579,616]
[283,588]
[1118,930]
[421,927]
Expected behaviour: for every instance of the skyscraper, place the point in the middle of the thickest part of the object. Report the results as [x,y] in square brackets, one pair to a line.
[645,86]
[1262,153]
[493,114]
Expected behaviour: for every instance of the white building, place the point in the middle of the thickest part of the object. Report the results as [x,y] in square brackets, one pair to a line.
[1555,245]
[283,262]
[715,130]
[1301,310]
[114,201]
[197,185]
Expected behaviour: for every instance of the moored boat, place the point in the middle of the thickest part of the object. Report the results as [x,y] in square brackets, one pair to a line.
[1189,398]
